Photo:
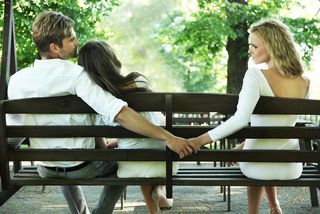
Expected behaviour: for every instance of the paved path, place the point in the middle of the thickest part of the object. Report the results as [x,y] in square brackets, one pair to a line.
[189,200]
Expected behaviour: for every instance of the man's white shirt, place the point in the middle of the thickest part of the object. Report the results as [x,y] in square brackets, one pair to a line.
[57,77]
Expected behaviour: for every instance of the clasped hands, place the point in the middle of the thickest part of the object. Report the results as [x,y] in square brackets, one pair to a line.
[184,147]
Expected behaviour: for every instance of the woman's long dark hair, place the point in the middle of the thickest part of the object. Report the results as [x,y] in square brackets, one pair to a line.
[103,67]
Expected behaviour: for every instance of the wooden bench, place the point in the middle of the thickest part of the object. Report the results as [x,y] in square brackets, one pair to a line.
[168,103]
[12,180]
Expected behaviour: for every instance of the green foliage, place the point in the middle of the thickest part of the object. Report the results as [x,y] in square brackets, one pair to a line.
[86,16]
[306,33]
[197,42]
[191,48]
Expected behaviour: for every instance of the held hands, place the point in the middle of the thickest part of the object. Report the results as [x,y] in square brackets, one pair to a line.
[199,141]
[186,147]
[180,146]
[194,143]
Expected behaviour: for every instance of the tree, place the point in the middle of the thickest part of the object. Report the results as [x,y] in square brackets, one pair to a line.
[134,25]
[222,25]
[86,16]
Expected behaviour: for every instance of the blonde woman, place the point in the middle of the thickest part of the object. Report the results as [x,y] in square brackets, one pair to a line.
[270,42]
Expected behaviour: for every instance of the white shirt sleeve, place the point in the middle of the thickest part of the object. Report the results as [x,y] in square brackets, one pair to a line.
[103,102]
[248,98]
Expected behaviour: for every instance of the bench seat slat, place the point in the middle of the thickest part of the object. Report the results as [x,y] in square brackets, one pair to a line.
[198,177]
[237,181]
[243,182]
[90,182]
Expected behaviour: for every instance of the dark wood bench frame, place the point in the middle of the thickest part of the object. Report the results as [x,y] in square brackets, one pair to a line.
[168,103]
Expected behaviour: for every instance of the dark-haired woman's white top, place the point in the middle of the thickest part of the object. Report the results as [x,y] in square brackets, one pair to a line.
[146,169]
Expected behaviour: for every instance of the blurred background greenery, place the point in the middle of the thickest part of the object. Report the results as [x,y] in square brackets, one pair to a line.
[180,45]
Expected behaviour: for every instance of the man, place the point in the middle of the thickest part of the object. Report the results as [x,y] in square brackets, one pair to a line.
[53,75]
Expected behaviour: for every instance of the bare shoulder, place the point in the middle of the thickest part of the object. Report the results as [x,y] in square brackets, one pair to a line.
[306,85]
[306,80]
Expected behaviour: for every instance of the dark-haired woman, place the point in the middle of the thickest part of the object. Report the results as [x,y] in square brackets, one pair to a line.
[103,67]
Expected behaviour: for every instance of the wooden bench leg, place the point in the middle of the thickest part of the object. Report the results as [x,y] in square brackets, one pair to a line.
[229,198]
[122,201]
[314,196]
[16,166]
[226,190]
[223,190]
[123,197]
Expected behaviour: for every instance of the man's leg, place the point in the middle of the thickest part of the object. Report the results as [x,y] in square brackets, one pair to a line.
[94,169]
[73,194]
[75,199]
[108,199]
[110,194]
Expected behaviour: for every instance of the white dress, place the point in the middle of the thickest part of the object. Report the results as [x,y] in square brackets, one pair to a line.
[255,85]
[143,169]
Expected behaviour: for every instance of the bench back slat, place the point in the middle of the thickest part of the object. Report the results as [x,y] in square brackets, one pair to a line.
[187,132]
[181,102]
[160,155]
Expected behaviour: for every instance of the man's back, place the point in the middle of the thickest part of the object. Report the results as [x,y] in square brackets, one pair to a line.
[56,77]
[49,78]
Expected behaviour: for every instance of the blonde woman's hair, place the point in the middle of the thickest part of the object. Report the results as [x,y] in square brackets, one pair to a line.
[279,44]
[50,27]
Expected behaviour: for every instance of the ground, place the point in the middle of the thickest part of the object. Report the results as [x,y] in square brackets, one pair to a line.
[190,200]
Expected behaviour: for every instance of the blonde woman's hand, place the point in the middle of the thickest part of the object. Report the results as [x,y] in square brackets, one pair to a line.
[199,141]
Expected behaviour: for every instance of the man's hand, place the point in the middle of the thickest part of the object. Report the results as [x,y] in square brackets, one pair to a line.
[199,141]
[131,120]
[179,145]
[194,143]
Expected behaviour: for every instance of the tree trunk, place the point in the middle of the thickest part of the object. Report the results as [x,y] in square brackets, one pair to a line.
[237,60]
[237,64]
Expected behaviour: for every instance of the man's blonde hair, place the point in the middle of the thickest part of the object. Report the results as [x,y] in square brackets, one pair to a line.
[279,44]
[50,27]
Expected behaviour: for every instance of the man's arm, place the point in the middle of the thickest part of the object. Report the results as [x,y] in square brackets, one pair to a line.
[104,103]
[133,121]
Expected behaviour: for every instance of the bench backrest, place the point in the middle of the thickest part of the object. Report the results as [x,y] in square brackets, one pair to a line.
[169,103]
